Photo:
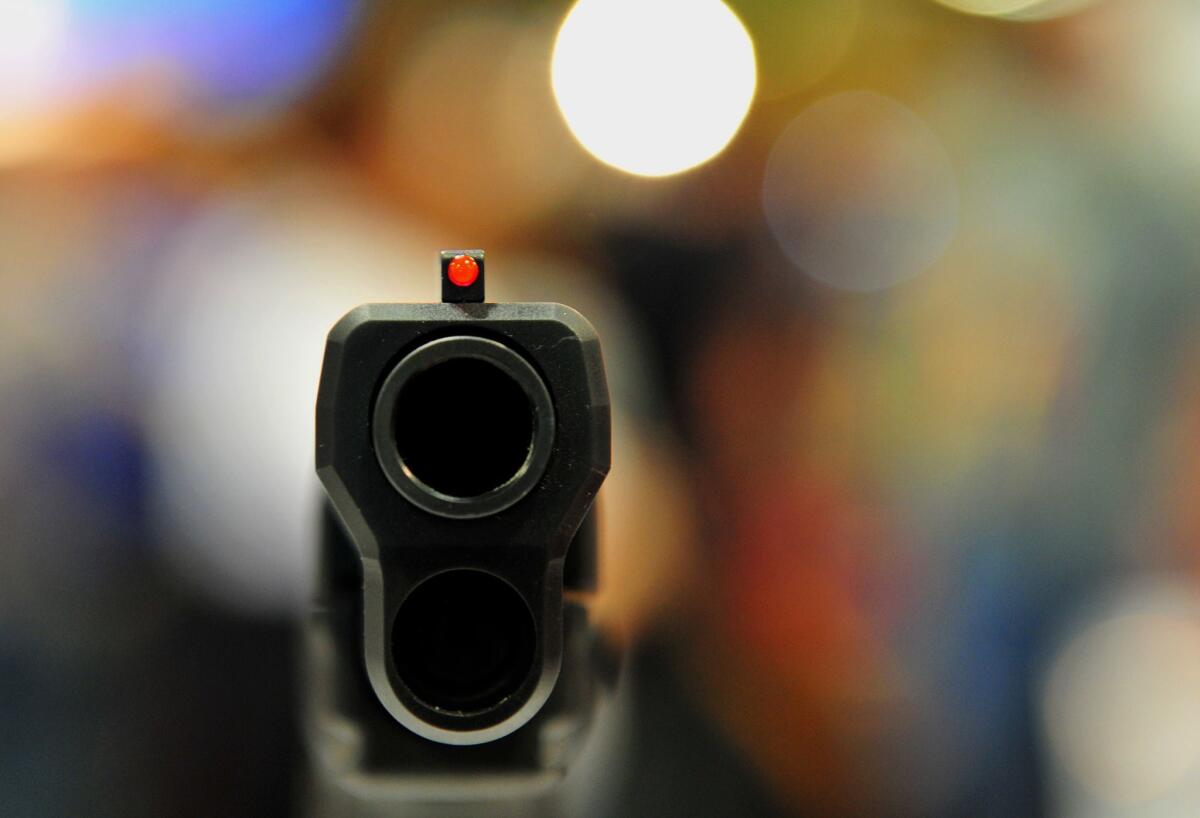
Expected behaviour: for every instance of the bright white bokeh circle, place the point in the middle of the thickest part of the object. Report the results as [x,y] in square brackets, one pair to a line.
[1120,705]
[33,37]
[653,87]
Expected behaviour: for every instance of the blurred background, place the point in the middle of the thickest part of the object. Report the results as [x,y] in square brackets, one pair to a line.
[900,301]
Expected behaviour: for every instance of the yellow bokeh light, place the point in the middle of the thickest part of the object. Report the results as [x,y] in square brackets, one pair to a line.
[1017,9]
[653,87]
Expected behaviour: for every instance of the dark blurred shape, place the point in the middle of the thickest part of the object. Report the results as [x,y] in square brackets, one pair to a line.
[673,288]
[679,764]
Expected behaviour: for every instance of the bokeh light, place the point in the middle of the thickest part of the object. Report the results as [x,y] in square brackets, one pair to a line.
[860,193]
[1143,62]
[1121,705]
[653,87]
[1017,9]
[465,128]
[254,284]
[197,57]
[33,36]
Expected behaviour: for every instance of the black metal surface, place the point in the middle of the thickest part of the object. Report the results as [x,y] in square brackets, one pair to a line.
[446,434]
[388,535]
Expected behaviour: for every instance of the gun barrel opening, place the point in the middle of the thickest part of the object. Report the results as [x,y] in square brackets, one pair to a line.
[464,427]
[463,641]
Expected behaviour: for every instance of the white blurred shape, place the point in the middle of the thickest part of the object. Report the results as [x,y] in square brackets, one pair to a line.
[238,336]
[33,35]
[1121,707]
[860,193]
[653,87]
[1017,9]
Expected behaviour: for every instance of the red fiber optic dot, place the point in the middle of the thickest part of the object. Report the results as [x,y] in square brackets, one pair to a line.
[463,271]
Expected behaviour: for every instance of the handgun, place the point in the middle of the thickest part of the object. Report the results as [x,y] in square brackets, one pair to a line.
[449,654]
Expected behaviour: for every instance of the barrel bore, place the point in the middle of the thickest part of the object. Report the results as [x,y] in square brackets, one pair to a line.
[463,641]
[463,427]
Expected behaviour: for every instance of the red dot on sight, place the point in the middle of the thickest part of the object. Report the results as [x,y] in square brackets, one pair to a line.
[463,271]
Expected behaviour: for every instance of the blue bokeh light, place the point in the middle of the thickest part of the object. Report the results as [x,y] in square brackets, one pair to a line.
[220,51]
